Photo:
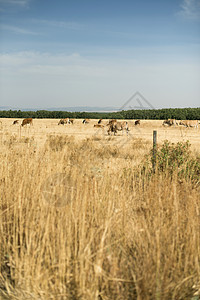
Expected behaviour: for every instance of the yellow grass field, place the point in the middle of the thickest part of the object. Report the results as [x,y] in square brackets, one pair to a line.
[82,218]
[44,127]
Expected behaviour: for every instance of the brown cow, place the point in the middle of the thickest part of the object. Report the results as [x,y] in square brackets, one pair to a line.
[111,128]
[111,122]
[15,122]
[99,125]
[137,122]
[71,121]
[63,121]
[189,123]
[118,126]
[27,121]
[170,122]
[86,121]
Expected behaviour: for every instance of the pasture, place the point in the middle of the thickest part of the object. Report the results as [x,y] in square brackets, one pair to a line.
[44,127]
[83,217]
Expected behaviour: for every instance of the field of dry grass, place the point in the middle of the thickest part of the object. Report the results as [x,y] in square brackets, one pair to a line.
[44,127]
[81,218]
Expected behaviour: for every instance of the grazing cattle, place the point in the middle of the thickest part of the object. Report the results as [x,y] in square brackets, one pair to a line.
[166,123]
[15,122]
[86,121]
[27,121]
[99,122]
[63,121]
[111,126]
[112,122]
[71,121]
[99,125]
[170,122]
[137,122]
[118,126]
[189,123]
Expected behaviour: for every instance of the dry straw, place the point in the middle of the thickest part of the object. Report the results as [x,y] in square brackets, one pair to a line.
[121,234]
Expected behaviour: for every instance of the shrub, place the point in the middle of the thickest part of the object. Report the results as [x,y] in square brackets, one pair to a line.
[171,158]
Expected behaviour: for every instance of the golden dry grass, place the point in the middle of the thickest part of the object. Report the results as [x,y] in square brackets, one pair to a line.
[79,220]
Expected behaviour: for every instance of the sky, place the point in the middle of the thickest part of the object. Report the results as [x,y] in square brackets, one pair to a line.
[67,53]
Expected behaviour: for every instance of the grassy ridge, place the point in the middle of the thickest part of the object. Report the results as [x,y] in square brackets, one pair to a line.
[94,232]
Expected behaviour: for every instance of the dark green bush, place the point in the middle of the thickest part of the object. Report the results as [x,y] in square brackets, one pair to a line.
[171,158]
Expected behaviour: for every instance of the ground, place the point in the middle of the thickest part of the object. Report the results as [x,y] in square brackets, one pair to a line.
[43,127]
[83,217]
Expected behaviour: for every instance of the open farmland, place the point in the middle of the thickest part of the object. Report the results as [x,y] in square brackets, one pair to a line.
[42,128]
[83,217]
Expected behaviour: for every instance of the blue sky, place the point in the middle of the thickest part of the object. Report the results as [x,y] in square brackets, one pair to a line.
[98,53]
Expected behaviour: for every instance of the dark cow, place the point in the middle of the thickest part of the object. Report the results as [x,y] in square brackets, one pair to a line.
[170,122]
[99,122]
[66,121]
[111,126]
[27,121]
[63,121]
[111,122]
[115,126]
[86,121]
[71,121]
[15,122]
[137,122]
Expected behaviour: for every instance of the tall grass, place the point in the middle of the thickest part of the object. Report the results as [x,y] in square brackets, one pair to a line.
[76,225]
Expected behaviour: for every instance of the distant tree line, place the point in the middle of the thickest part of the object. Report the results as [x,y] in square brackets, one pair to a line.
[152,114]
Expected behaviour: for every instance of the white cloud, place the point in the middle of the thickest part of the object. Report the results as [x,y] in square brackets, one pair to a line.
[18,30]
[44,64]
[15,2]
[190,9]
[30,79]
[6,5]
[60,24]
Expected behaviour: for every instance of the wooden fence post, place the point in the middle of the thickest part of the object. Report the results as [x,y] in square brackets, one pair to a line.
[154,150]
